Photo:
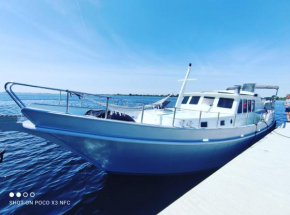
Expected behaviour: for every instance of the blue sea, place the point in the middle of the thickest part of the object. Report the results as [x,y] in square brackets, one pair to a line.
[64,183]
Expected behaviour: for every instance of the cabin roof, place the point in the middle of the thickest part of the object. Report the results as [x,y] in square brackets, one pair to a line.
[258,87]
[230,93]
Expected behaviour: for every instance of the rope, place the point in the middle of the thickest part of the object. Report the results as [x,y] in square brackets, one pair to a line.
[281,135]
[276,131]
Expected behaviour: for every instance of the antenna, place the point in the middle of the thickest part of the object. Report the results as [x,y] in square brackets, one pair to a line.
[180,97]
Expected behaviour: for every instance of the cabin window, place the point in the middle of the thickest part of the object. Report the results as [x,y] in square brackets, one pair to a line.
[245,101]
[253,105]
[194,100]
[185,100]
[249,87]
[240,109]
[225,103]
[208,101]
[249,106]
[203,124]
[222,122]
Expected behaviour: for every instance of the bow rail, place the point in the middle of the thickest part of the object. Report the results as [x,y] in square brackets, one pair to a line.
[8,88]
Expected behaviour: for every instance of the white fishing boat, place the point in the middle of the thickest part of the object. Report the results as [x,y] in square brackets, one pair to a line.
[204,130]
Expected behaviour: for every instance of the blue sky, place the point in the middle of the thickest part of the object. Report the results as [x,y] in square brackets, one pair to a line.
[133,46]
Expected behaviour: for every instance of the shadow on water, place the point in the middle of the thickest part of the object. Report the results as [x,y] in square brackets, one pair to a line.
[131,194]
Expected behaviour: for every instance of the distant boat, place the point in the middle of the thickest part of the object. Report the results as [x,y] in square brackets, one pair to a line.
[203,131]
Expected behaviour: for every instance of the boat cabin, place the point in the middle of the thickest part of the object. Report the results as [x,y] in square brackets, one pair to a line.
[221,101]
[238,106]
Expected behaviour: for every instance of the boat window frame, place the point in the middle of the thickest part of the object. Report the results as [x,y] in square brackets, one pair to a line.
[208,97]
[187,99]
[253,105]
[192,99]
[249,106]
[240,107]
[245,109]
[232,100]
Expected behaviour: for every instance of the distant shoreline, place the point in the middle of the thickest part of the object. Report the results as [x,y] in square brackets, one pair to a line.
[148,95]
[114,94]
[144,95]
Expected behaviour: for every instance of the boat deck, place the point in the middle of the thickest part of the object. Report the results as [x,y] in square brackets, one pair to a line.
[255,182]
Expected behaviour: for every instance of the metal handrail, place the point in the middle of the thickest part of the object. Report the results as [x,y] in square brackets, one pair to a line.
[107,108]
[202,111]
[218,116]
[8,88]
[174,114]
[9,85]
[67,102]
[143,107]
[234,123]
[217,122]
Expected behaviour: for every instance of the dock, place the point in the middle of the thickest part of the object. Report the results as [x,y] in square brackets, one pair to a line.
[255,182]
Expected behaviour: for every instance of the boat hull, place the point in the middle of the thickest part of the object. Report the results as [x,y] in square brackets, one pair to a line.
[147,158]
[137,149]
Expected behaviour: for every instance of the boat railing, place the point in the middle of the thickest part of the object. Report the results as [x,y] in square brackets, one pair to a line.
[8,88]
[98,100]
[205,119]
[202,119]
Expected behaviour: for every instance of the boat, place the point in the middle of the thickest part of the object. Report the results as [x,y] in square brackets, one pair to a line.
[202,131]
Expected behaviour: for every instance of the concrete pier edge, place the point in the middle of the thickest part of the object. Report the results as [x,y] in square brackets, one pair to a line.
[255,182]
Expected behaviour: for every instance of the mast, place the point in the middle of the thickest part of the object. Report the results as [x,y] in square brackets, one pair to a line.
[180,97]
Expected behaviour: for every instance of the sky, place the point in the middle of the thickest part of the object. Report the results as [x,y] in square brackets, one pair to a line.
[144,47]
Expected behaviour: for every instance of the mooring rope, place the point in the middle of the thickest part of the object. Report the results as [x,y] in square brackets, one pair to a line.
[276,131]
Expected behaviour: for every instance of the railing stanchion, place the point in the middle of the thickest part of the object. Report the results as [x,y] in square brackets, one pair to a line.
[143,107]
[199,119]
[173,117]
[67,101]
[247,118]
[107,108]
[59,99]
[218,118]
[235,120]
